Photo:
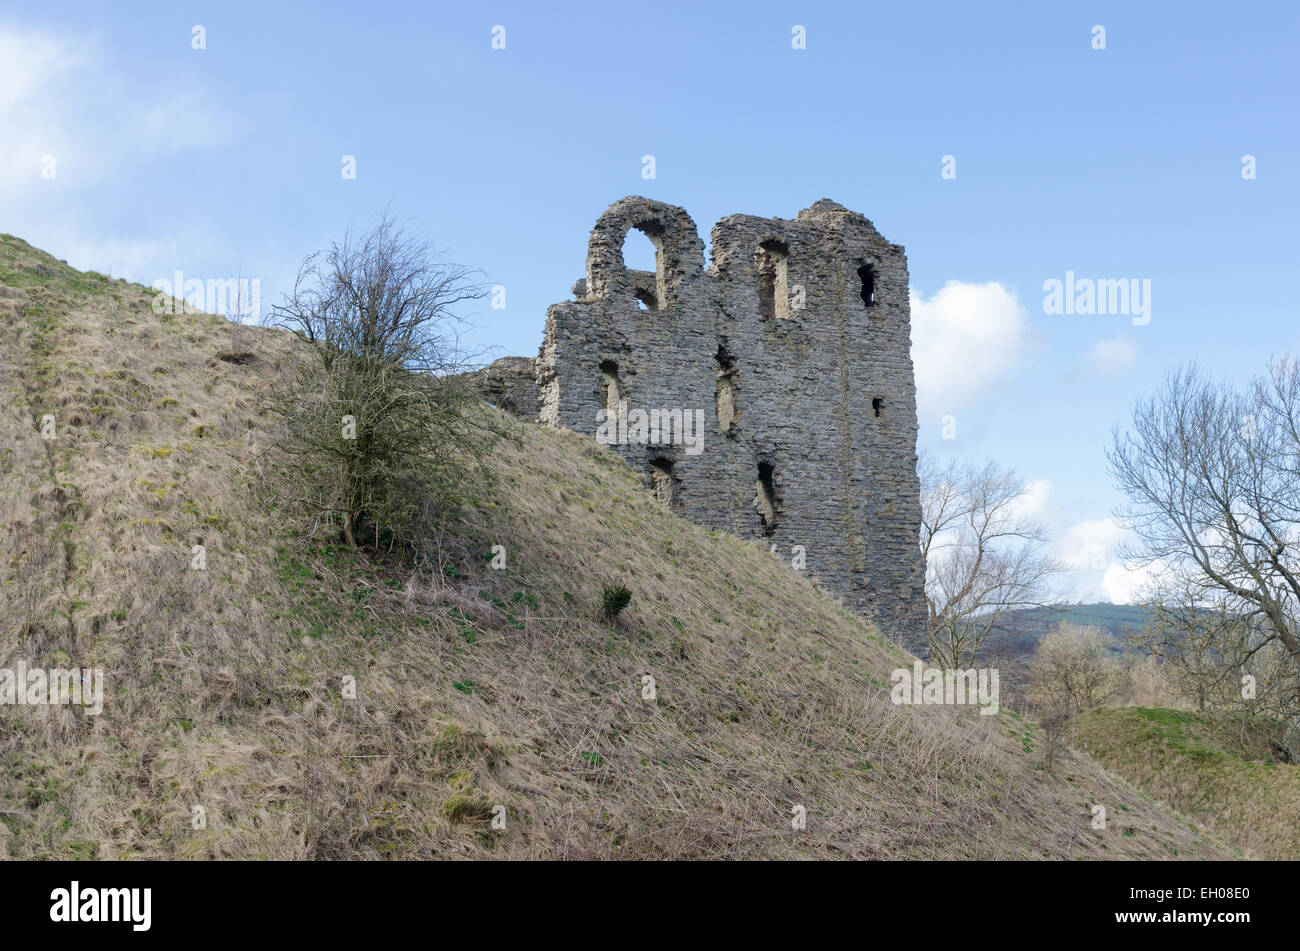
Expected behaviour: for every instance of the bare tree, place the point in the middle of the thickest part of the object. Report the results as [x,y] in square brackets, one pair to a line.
[1200,643]
[984,555]
[240,304]
[1212,475]
[375,416]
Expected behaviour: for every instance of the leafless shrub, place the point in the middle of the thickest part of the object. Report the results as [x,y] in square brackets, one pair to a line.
[380,428]
[1073,669]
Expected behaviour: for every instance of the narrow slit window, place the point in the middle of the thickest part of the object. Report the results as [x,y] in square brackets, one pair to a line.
[878,406]
[765,499]
[867,274]
[725,394]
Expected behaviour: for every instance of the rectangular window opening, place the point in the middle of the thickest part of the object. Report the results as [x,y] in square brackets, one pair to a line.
[772,268]
[663,482]
[612,391]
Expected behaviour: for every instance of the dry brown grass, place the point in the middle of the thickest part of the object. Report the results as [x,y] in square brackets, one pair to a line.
[475,687]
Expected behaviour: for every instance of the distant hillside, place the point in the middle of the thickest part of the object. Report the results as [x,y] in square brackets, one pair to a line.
[1114,619]
[1012,643]
[474,689]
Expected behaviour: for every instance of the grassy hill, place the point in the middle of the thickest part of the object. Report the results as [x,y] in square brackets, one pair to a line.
[1211,766]
[474,688]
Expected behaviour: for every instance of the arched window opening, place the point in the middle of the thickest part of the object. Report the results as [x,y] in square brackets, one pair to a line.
[643,254]
[640,250]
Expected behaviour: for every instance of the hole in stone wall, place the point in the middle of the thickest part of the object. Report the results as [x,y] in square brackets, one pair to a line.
[772,267]
[663,482]
[640,251]
[878,406]
[643,250]
[765,499]
[610,385]
[867,274]
[726,390]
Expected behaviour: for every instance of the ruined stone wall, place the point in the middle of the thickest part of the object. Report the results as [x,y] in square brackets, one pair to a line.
[795,344]
[509,383]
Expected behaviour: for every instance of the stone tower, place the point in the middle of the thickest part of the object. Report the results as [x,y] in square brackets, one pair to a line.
[791,352]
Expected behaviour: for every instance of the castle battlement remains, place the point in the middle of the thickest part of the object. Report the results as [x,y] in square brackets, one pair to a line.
[792,348]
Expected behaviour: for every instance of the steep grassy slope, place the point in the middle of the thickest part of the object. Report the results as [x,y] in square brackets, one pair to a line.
[474,687]
[1210,766]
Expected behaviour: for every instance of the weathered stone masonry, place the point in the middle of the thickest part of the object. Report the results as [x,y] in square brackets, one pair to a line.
[796,343]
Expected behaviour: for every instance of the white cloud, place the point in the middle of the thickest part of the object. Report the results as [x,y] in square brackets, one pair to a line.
[1124,584]
[64,98]
[1092,551]
[141,261]
[1111,356]
[1090,546]
[30,61]
[1033,502]
[34,76]
[964,339]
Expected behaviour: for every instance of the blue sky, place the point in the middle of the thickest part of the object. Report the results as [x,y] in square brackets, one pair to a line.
[1117,163]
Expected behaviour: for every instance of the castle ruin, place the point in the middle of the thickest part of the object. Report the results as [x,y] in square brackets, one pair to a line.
[793,349]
